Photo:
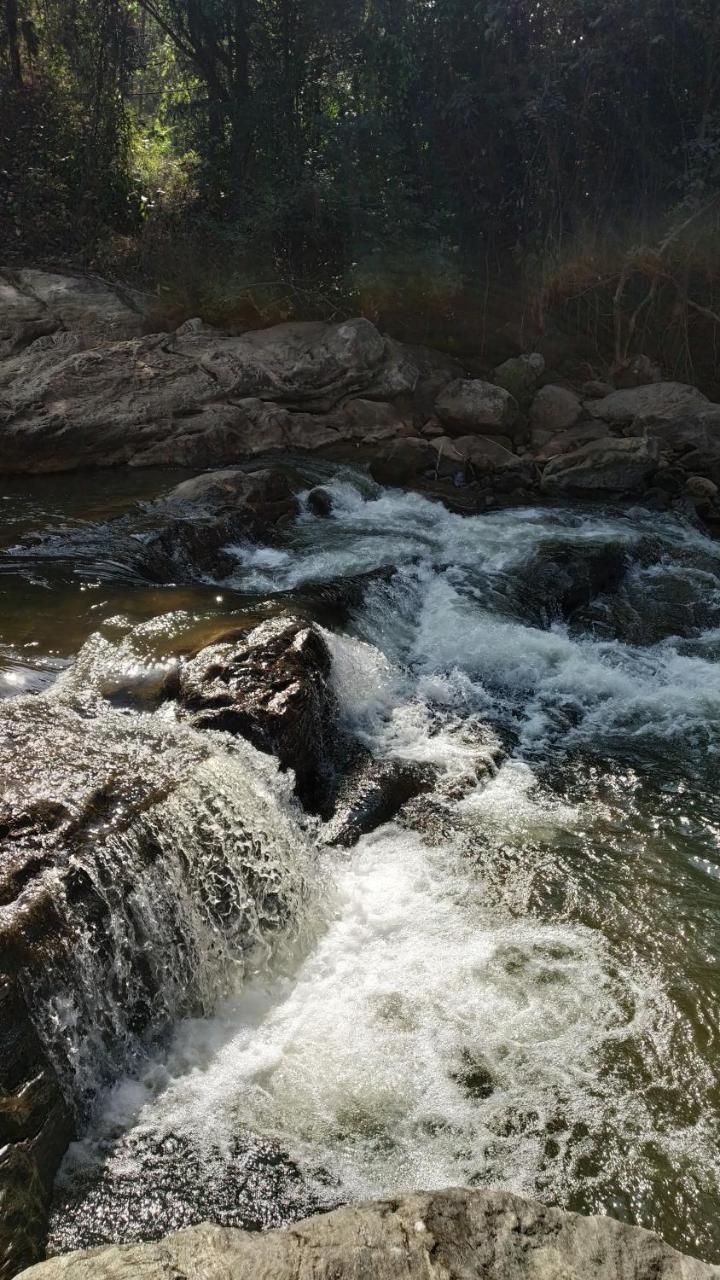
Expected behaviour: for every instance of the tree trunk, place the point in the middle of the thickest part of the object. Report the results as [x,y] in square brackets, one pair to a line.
[13,37]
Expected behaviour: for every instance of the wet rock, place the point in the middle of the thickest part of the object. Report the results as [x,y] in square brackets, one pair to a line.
[36,1125]
[472,406]
[403,461]
[640,372]
[124,906]
[371,793]
[657,400]
[273,688]
[555,409]
[320,502]
[559,579]
[470,1235]
[603,466]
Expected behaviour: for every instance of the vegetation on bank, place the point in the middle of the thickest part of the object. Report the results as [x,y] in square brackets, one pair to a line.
[442,165]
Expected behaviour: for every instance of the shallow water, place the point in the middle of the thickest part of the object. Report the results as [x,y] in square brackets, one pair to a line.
[516,984]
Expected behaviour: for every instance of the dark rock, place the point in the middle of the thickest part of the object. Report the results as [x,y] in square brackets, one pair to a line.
[320,502]
[371,793]
[272,688]
[640,372]
[401,462]
[559,579]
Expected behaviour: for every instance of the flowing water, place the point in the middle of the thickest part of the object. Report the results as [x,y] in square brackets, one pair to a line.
[514,984]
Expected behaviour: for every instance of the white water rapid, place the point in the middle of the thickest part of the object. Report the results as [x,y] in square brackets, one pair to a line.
[515,983]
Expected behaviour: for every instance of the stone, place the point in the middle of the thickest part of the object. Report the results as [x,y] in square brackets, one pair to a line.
[701,490]
[657,400]
[80,391]
[640,372]
[519,375]
[603,466]
[461,1235]
[77,303]
[320,502]
[691,442]
[403,461]
[596,389]
[486,453]
[567,441]
[371,793]
[555,409]
[470,405]
[273,688]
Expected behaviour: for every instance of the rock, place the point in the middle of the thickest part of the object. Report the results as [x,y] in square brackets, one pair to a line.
[368,421]
[320,502]
[485,453]
[603,466]
[273,688]
[81,304]
[449,460]
[596,389]
[260,492]
[371,793]
[640,372]
[36,1125]
[657,400]
[555,409]
[701,490]
[469,405]
[85,397]
[558,579]
[114,852]
[402,461]
[519,375]
[691,442]
[567,441]
[463,1235]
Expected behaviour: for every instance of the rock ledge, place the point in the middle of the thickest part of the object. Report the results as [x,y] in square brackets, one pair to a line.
[450,1235]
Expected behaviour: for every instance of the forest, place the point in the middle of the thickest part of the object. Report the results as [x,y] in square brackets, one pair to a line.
[264,158]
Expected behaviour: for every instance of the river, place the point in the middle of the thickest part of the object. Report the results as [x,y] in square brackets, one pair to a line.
[516,983]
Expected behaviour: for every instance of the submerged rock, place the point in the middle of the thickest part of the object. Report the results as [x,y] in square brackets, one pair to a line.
[371,793]
[463,1235]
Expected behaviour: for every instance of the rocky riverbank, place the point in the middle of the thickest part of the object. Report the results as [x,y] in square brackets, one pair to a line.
[83,383]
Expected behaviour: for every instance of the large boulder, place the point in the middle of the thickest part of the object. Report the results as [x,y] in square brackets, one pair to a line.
[555,409]
[656,400]
[519,375]
[35,303]
[273,688]
[456,1235]
[603,466]
[79,392]
[403,461]
[469,405]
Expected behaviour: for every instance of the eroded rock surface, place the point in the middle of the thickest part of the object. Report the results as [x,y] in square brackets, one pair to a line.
[461,1235]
